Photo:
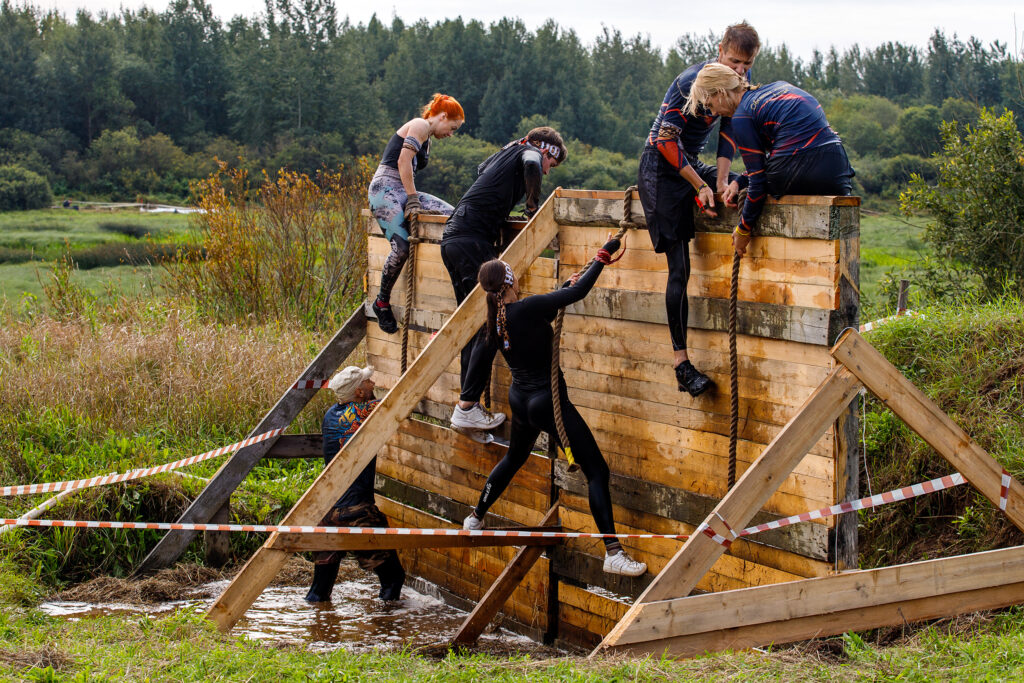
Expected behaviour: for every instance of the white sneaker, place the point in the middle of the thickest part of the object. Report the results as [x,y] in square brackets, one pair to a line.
[621,563]
[475,418]
[471,523]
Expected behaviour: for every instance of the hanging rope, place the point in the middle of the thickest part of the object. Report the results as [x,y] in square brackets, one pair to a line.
[627,223]
[410,287]
[734,380]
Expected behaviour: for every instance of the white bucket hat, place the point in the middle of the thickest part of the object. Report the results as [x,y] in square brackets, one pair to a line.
[345,383]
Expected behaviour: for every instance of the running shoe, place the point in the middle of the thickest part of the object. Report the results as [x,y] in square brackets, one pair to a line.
[475,418]
[474,523]
[691,379]
[385,318]
[621,563]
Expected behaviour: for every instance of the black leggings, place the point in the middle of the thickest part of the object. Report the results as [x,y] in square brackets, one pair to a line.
[676,303]
[531,413]
[393,266]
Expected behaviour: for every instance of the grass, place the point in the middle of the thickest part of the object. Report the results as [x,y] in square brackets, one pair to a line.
[887,242]
[21,283]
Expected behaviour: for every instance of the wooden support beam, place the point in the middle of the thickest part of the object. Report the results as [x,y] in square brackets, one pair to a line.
[811,608]
[297,543]
[297,446]
[238,465]
[746,498]
[929,421]
[501,589]
[380,425]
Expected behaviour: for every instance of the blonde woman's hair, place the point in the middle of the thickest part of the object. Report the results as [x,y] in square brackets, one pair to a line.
[714,78]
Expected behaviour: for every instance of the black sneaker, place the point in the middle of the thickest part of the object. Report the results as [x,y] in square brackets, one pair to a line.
[385,318]
[691,379]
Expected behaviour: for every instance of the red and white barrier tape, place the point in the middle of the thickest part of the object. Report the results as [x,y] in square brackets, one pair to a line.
[311,384]
[114,477]
[357,531]
[904,493]
[1004,489]
[867,327]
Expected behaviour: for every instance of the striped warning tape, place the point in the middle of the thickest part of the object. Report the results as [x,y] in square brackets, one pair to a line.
[311,384]
[1004,490]
[904,493]
[282,529]
[114,477]
[867,327]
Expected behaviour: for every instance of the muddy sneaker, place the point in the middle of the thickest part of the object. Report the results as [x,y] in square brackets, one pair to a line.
[472,523]
[691,379]
[475,418]
[621,563]
[385,318]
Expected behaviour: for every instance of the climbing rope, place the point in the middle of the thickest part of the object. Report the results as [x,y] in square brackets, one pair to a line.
[627,223]
[734,381]
[410,287]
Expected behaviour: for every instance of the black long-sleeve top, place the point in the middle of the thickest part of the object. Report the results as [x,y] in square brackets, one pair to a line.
[529,330]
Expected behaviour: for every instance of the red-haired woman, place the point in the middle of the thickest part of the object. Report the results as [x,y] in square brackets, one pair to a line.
[393,196]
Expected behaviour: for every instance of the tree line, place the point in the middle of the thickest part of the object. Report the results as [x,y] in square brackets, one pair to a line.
[140,102]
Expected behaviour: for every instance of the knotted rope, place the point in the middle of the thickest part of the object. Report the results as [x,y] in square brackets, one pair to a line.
[734,381]
[627,223]
[410,287]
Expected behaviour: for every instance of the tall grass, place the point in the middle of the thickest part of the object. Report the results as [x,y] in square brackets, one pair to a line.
[289,248]
[969,359]
[84,397]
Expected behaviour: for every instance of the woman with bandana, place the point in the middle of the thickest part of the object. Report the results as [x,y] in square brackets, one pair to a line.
[519,327]
[393,196]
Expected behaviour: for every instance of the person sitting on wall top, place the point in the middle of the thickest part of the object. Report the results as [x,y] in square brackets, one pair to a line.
[356,507]
[471,238]
[783,136]
[671,180]
[393,196]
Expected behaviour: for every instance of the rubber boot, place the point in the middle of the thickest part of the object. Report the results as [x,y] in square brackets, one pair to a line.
[392,577]
[324,576]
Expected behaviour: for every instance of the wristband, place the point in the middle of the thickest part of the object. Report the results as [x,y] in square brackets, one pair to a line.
[741,231]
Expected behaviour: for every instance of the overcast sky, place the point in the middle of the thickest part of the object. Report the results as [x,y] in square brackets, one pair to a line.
[801,24]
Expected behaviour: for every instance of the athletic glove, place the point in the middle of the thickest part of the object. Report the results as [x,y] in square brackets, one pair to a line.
[612,246]
[412,207]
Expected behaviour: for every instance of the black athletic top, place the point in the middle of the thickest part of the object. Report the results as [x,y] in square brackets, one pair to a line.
[503,179]
[394,149]
[529,331]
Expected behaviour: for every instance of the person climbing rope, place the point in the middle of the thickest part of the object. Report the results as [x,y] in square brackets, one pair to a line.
[394,200]
[471,238]
[671,179]
[782,134]
[356,507]
[520,327]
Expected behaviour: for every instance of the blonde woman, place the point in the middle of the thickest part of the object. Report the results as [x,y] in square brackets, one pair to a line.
[393,195]
[782,135]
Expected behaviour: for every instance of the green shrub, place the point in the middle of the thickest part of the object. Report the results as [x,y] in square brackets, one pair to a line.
[131,253]
[129,229]
[22,189]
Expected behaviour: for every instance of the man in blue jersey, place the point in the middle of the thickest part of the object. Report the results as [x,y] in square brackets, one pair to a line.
[673,182]
[356,507]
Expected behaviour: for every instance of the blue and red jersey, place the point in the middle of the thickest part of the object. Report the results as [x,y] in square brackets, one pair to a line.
[678,135]
[340,423]
[773,120]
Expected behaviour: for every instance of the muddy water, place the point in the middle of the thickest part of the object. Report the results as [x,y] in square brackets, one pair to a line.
[355,620]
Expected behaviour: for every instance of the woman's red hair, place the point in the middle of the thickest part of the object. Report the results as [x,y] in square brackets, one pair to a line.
[444,104]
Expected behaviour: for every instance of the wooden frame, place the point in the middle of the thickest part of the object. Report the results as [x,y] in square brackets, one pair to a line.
[379,426]
[663,619]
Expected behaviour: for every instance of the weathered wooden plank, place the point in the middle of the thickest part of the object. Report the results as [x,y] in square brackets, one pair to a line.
[809,540]
[297,446]
[795,217]
[216,494]
[501,589]
[297,543]
[749,494]
[793,323]
[929,421]
[931,581]
[380,425]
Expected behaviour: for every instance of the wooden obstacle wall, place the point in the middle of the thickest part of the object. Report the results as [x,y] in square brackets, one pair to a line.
[667,451]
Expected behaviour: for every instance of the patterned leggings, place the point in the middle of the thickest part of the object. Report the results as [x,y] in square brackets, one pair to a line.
[387,203]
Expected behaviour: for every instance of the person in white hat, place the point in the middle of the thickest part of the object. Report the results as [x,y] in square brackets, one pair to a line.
[353,388]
